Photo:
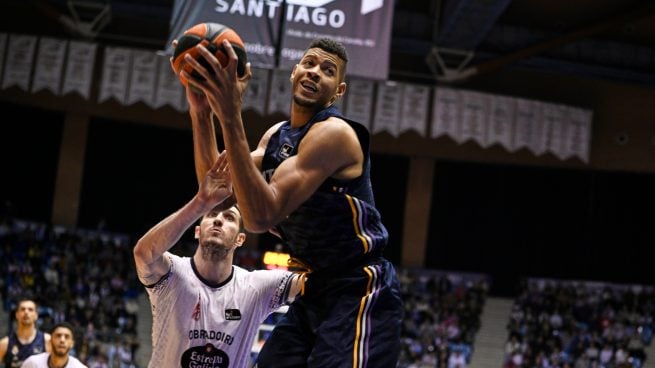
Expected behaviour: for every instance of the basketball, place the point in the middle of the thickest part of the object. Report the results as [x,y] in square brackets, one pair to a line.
[211,35]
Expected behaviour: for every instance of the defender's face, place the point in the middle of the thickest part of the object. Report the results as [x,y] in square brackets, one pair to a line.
[220,228]
[26,313]
[316,79]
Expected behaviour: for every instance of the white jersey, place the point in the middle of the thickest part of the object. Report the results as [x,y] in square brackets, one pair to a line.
[41,361]
[213,326]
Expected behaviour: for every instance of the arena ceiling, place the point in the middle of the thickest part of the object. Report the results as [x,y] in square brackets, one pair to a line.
[432,40]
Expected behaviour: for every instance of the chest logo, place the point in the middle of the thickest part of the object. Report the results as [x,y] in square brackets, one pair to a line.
[285,150]
[232,315]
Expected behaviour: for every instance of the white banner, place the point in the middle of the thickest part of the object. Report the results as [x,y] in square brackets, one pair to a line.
[79,68]
[255,98]
[540,129]
[169,89]
[445,113]
[579,136]
[415,108]
[115,74]
[387,108]
[143,78]
[279,99]
[558,135]
[501,122]
[474,113]
[20,58]
[49,64]
[359,101]
[523,124]
[3,44]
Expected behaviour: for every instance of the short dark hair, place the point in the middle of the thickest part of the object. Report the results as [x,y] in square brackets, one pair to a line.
[64,325]
[333,47]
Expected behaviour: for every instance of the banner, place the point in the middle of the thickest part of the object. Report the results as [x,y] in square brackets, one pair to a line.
[255,98]
[388,108]
[143,78]
[445,113]
[20,58]
[115,74]
[49,64]
[169,90]
[579,133]
[359,101]
[474,112]
[501,122]
[283,29]
[362,26]
[415,108]
[79,68]
[279,99]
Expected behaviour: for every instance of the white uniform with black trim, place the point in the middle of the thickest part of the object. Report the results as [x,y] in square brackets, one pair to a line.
[212,326]
[41,361]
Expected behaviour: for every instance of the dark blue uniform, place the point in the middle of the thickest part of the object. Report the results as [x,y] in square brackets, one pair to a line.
[350,312]
[17,352]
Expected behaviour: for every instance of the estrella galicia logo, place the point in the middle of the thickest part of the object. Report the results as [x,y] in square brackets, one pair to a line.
[207,356]
[285,150]
[232,315]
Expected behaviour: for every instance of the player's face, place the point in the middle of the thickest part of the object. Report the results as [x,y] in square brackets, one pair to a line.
[220,229]
[62,341]
[316,79]
[26,313]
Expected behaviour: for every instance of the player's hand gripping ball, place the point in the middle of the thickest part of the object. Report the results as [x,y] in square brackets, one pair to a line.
[211,35]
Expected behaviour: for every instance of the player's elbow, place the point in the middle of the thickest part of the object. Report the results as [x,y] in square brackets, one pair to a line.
[141,251]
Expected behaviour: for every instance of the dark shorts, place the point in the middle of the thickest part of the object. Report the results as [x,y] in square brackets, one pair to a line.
[350,320]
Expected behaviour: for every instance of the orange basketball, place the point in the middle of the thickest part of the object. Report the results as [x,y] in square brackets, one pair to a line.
[211,35]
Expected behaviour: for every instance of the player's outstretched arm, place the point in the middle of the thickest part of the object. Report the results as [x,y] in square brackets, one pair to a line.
[205,147]
[151,265]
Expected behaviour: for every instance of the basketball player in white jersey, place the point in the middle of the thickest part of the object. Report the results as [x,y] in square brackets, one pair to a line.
[206,311]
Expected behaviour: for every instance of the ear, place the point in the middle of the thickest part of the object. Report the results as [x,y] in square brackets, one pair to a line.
[196,232]
[293,73]
[241,238]
[341,89]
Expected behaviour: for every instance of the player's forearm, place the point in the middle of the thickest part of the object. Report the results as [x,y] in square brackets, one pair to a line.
[205,147]
[256,199]
[163,236]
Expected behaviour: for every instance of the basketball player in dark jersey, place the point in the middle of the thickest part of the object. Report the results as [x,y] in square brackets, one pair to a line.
[308,179]
[27,340]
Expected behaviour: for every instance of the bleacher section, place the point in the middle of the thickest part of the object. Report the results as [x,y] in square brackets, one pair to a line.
[442,317]
[571,323]
[83,277]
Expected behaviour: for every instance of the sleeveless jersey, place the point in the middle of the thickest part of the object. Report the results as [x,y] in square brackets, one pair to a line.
[17,352]
[201,325]
[41,360]
[338,226]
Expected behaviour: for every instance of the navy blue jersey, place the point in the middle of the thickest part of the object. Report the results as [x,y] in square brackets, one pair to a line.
[17,352]
[338,226]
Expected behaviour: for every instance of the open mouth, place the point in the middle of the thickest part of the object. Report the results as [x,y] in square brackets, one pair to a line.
[308,86]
